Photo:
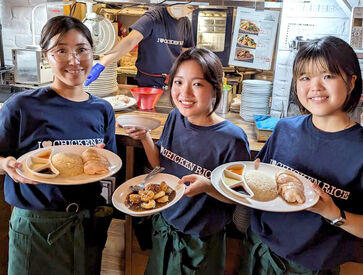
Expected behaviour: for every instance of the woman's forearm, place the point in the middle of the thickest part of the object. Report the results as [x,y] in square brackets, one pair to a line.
[2,165]
[151,150]
[122,48]
[353,224]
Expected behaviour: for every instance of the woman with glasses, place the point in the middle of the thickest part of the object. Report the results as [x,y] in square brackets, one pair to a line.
[52,226]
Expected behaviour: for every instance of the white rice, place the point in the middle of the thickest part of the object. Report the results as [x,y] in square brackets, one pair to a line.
[263,186]
[68,164]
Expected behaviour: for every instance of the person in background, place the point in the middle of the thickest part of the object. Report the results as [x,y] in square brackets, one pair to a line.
[51,226]
[189,237]
[325,146]
[162,34]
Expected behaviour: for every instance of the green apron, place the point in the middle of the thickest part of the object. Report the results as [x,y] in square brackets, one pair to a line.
[52,242]
[175,253]
[258,259]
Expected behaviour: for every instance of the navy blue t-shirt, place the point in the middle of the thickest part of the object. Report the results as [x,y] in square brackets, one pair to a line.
[334,161]
[35,119]
[186,149]
[164,38]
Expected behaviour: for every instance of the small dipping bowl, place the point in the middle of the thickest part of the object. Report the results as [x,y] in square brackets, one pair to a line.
[41,166]
[233,180]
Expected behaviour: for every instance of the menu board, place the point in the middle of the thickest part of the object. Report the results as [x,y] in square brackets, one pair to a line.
[254,38]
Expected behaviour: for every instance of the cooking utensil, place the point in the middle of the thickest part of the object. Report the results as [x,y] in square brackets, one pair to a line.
[141,185]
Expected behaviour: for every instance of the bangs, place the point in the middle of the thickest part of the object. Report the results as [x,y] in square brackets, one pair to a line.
[334,56]
[304,66]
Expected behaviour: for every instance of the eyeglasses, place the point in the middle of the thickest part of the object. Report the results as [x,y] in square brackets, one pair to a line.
[82,54]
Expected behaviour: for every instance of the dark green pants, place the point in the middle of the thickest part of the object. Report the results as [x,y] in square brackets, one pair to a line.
[50,242]
[175,253]
[258,259]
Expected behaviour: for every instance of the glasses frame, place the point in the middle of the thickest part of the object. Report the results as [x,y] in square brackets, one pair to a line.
[76,55]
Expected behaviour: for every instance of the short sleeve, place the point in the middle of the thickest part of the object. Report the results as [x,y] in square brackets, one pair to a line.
[144,24]
[9,128]
[110,138]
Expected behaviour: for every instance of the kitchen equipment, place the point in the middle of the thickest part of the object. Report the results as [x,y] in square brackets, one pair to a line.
[146,98]
[30,67]
[212,29]
[356,29]
[226,99]
[102,31]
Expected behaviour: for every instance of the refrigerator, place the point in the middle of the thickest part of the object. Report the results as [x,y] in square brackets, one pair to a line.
[212,29]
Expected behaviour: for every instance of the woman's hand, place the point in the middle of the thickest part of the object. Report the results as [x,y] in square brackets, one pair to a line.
[198,185]
[325,206]
[135,133]
[9,165]
[329,210]
[100,145]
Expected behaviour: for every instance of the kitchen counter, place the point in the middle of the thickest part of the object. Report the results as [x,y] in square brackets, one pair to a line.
[159,114]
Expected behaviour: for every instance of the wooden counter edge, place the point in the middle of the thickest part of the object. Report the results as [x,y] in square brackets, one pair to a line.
[249,129]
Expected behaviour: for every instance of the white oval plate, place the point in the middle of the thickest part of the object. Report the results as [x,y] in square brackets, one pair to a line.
[115,165]
[118,106]
[120,194]
[276,205]
[137,121]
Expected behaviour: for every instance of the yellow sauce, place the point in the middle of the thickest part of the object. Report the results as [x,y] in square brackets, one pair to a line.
[229,181]
[35,166]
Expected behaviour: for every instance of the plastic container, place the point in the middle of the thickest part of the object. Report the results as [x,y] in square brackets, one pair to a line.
[226,100]
[146,97]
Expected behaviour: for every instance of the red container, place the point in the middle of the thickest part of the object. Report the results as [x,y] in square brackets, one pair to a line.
[146,98]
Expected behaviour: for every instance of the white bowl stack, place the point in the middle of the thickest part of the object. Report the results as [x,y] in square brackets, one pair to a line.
[105,84]
[255,98]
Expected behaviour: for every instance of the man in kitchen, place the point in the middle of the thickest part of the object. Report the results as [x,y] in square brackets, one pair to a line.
[161,35]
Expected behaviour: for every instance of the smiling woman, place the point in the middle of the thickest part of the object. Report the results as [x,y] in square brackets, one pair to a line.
[52,220]
[69,53]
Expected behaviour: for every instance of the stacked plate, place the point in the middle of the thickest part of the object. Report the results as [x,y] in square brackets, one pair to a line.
[105,84]
[255,98]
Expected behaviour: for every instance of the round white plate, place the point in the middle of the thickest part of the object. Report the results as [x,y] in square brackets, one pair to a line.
[114,160]
[118,106]
[120,194]
[137,121]
[276,205]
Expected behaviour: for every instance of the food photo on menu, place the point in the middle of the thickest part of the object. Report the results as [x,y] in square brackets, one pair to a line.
[244,55]
[244,40]
[247,26]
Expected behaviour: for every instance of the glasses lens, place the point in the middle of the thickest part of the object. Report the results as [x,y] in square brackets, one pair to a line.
[81,56]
